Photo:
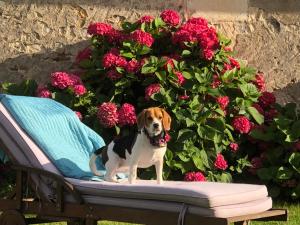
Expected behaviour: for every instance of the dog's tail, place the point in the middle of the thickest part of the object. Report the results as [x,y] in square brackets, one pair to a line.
[103,152]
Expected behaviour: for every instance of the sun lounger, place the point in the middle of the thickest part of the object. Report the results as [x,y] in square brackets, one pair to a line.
[58,198]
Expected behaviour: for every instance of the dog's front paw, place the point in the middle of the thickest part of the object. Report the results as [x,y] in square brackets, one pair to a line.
[110,179]
[160,181]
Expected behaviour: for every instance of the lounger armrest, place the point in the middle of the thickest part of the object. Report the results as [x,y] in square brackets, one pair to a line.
[62,184]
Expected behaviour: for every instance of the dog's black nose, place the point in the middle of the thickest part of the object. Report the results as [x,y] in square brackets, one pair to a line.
[156,125]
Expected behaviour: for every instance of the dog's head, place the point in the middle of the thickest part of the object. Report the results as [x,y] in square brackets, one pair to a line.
[155,120]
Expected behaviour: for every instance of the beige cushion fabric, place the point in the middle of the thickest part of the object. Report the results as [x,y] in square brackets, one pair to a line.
[221,211]
[205,194]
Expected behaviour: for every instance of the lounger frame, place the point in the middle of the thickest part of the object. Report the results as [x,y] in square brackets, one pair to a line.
[16,205]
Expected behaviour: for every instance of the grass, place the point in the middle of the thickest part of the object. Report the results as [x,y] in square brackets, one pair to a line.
[293,209]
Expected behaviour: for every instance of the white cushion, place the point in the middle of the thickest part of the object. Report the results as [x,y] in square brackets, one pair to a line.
[204,194]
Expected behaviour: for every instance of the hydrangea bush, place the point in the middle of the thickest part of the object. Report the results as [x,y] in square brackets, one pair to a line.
[221,112]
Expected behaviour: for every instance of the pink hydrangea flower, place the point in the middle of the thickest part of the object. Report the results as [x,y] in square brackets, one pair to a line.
[270,114]
[241,124]
[169,62]
[198,21]
[180,78]
[256,163]
[151,89]
[121,62]
[83,54]
[63,80]
[170,17]
[234,63]
[227,49]
[234,147]
[74,79]
[258,108]
[127,115]
[79,115]
[297,146]
[260,82]
[266,99]
[109,60]
[207,54]
[223,101]
[194,176]
[216,81]
[142,38]
[79,89]
[107,114]
[113,75]
[133,66]
[220,162]
[226,67]
[183,97]
[116,36]
[99,29]
[146,19]
[43,92]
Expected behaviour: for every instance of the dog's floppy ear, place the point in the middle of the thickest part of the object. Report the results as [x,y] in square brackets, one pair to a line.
[141,119]
[166,120]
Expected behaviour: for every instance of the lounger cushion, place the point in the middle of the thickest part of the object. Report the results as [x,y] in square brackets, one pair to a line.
[227,211]
[204,194]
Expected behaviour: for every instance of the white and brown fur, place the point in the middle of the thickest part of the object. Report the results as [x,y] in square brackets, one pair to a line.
[126,155]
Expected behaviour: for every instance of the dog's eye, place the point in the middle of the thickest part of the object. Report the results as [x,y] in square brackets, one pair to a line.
[160,117]
[149,118]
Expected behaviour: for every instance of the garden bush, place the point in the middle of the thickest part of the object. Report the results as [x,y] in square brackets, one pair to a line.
[224,123]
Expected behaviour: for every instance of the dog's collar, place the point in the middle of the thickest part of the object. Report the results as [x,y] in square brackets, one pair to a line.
[159,140]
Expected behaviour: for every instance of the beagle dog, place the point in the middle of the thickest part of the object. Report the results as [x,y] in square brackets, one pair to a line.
[141,150]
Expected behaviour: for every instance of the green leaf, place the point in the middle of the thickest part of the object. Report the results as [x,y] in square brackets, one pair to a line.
[189,122]
[184,134]
[294,160]
[204,158]
[274,191]
[220,111]
[158,22]
[144,50]
[186,53]
[122,83]
[86,64]
[25,88]
[267,173]
[127,44]
[284,173]
[117,130]
[63,98]
[260,135]
[187,75]
[198,162]
[226,177]
[148,68]
[183,157]
[161,75]
[128,27]
[295,130]
[127,54]
[256,115]
[249,90]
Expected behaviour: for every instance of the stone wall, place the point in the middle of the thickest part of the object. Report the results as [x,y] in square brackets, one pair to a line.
[42,36]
